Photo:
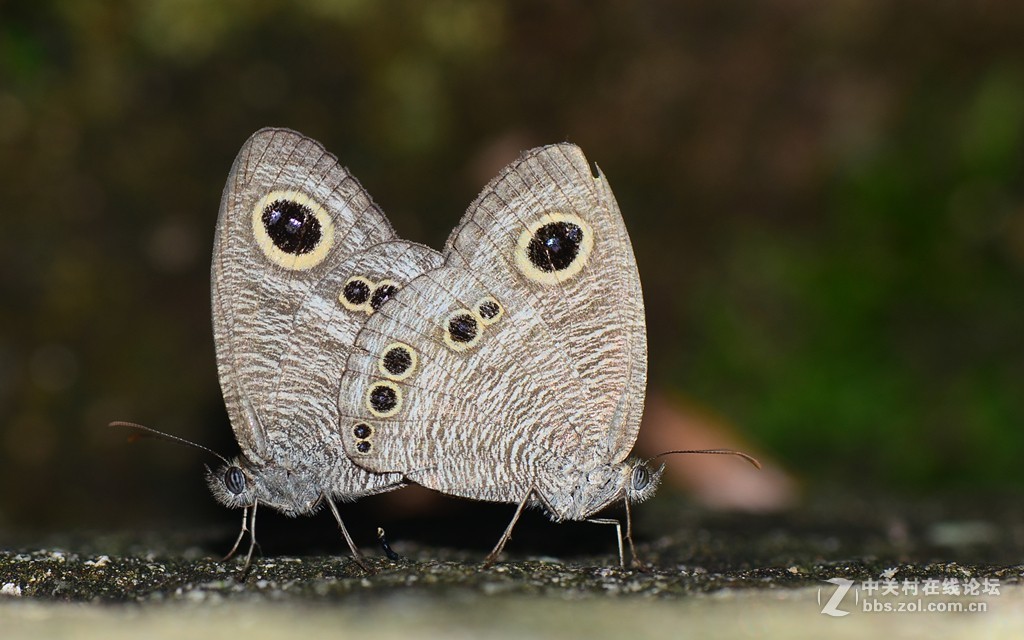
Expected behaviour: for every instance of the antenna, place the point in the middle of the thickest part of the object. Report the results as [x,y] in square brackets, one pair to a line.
[725,452]
[147,432]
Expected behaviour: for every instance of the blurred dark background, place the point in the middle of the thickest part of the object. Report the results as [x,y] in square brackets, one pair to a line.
[826,202]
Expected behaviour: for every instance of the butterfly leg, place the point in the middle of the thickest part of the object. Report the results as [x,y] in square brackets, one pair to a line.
[252,542]
[629,538]
[241,534]
[492,557]
[358,557]
[618,535]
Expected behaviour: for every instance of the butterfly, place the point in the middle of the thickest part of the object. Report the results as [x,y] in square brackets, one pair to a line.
[515,371]
[302,258]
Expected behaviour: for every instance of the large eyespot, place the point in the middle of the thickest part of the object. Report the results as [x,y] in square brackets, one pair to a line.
[398,361]
[641,477]
[384,399]
[488,310]
[355,293]
[554,248]
[461,330]
[234,480]
[292,229]
[364,447]
[383,292]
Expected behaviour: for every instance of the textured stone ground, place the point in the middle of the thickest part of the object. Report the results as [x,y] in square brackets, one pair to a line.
[706,571]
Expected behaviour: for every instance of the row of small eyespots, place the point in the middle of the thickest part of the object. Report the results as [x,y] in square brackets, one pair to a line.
[399,360]
[464,328]
[359,293]
[362,431]
[384,397]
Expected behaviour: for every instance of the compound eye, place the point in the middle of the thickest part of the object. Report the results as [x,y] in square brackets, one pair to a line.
[234,480]
[641,478]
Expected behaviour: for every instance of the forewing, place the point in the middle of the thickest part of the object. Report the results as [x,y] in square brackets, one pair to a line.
[290,215]
[519,230]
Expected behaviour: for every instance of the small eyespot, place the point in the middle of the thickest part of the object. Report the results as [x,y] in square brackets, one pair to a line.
[554,248]
[362,431]
[355,293]
[488,310]
[292,229]
[641,477]
[398,361]
[234,480]
[384,291]
[461,330]
[364,446]
[384,399]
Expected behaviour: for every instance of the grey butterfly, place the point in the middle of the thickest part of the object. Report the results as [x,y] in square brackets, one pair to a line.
[516,371]
[302,259]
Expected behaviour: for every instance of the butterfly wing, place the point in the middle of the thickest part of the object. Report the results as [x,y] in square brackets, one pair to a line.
[522,229]
[295,227]
[301,410]
[529,346]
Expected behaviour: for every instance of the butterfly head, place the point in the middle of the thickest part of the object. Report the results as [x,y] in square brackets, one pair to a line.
[643,480]
[605,484]
[239,483]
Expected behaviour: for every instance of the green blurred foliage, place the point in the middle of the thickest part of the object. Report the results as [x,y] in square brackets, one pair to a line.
[825,200]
